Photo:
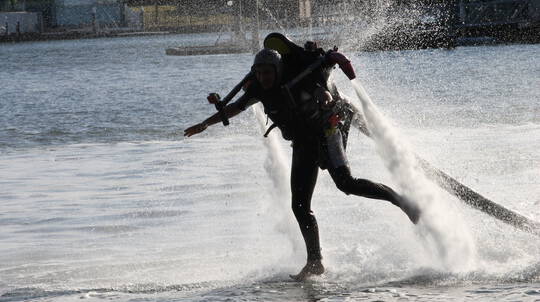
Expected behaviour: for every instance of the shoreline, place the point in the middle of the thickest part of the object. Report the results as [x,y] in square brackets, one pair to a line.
[75,35]
[415,40]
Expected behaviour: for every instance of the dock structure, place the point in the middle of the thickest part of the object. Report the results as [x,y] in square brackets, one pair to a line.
[504,19]
[206,50]
[402,24]
[213,15]
[238,25]
[499,12]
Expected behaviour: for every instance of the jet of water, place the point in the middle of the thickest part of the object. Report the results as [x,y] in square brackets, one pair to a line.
[443,230]
[278,170]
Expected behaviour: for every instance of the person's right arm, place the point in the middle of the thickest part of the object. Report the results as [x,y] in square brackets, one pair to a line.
[230,111]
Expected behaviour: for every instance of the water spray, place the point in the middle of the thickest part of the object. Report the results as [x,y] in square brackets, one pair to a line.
[277,168]
[443,230]
[454,187]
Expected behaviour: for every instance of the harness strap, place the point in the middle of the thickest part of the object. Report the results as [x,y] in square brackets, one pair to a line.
[274,125]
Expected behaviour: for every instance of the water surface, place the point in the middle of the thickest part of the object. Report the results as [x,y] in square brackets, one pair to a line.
[102,197]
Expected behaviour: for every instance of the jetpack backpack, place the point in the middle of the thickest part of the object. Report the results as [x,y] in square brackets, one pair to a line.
[306,82]
[305,76]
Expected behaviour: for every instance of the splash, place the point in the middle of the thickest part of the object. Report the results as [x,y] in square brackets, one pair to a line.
[278,170]
[441,227]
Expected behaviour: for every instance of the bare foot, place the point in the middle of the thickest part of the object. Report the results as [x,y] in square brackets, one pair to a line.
[312,268]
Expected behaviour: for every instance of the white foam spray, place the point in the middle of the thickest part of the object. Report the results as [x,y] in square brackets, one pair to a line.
[278,170]
[443,230]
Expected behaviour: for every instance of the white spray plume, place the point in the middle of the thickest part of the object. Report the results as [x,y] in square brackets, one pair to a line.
[443,230]
[278,170]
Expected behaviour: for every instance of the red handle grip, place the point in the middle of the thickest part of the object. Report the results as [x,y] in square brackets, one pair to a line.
[334,57]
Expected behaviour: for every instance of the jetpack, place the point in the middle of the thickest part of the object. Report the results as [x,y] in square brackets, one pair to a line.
[288,49]
[328,59]
[321,60]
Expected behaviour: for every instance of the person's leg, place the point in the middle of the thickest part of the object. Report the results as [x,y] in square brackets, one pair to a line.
[341,174]
[303,178]
[361,187]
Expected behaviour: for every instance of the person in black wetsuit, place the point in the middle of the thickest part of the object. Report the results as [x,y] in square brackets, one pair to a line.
[317,126]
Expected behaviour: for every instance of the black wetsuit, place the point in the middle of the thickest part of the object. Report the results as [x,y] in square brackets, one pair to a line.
[312,150]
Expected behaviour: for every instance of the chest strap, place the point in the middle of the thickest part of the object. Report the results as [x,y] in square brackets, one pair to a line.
[274,125]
